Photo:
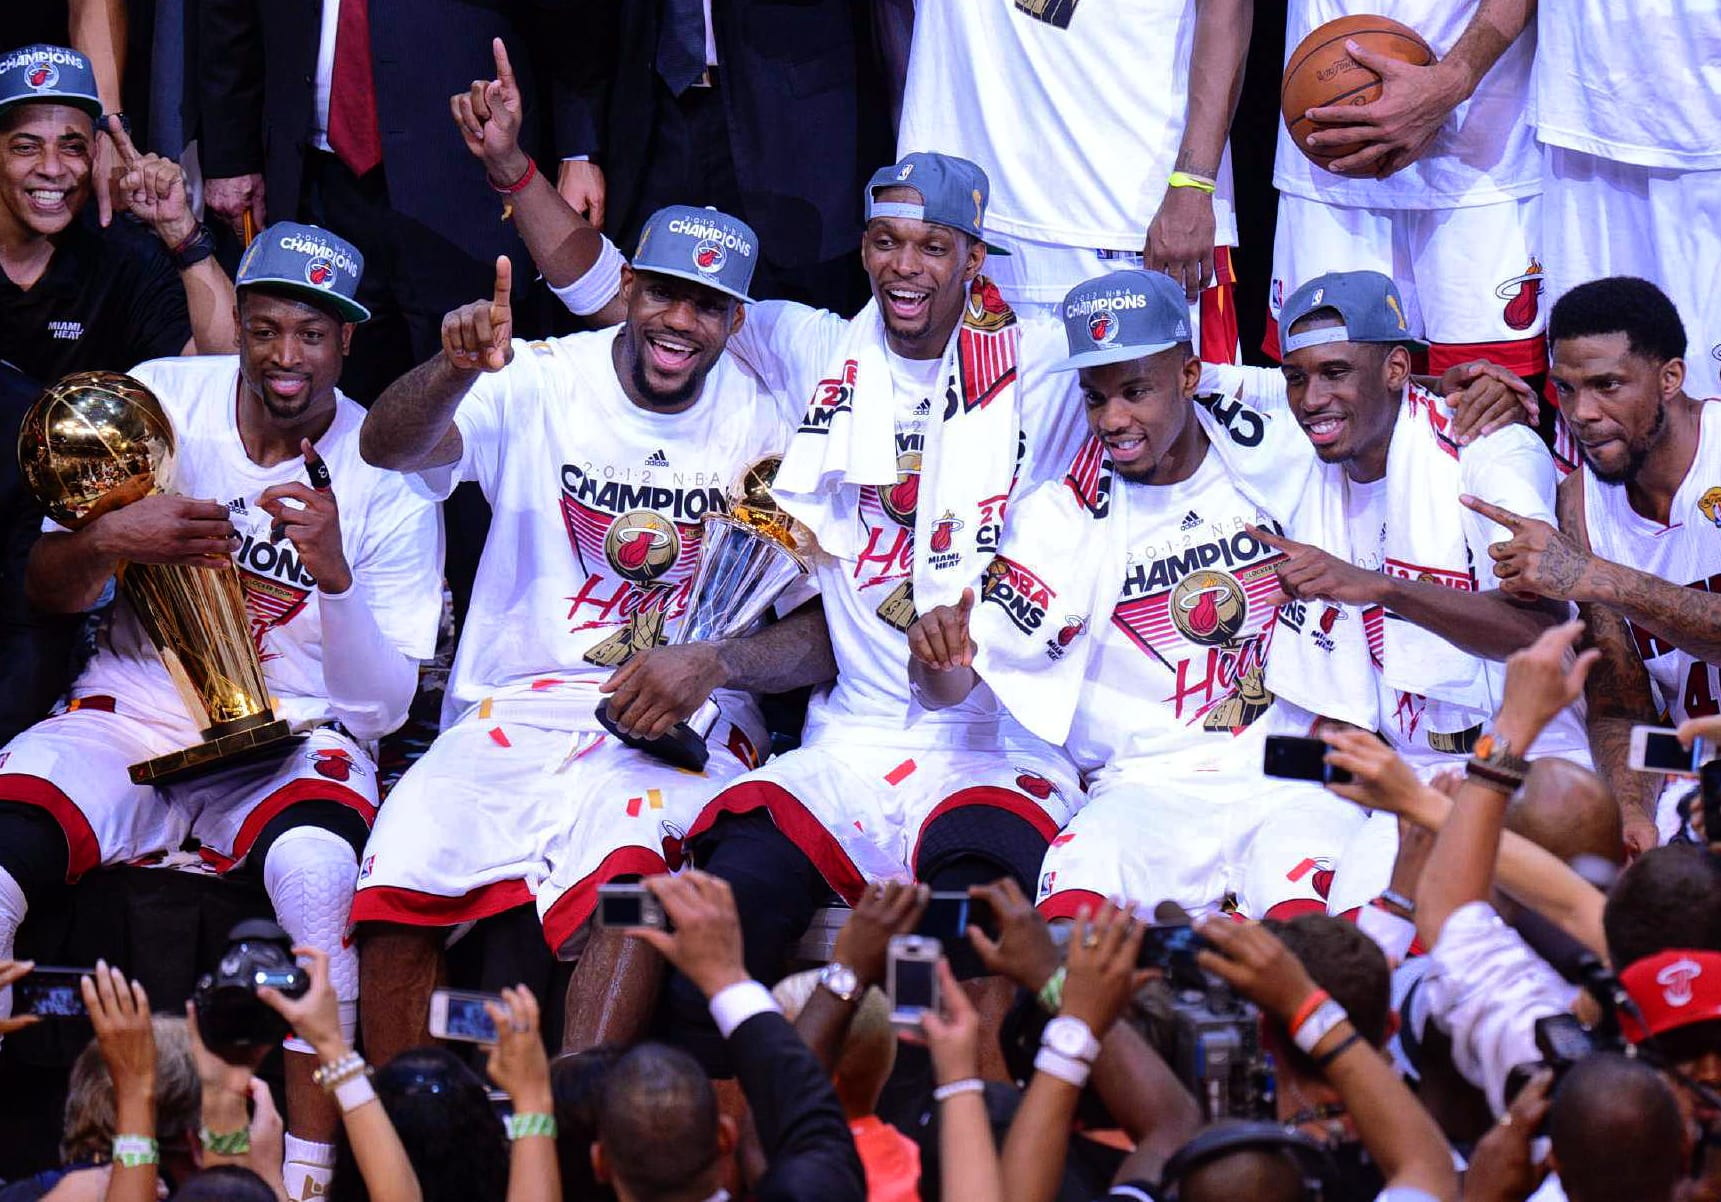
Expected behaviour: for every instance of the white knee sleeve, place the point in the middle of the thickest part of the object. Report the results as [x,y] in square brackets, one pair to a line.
[309,875]
[12,908]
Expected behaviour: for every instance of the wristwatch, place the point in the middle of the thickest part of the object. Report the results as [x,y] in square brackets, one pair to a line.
[1493,762]
[1070,1037]
[840,980]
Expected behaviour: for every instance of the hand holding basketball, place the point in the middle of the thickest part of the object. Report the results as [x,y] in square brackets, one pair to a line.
[1363,95]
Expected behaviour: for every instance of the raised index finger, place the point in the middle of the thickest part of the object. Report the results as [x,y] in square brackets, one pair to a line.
[504,69]
[122,141]
[504,282]
[1502,517]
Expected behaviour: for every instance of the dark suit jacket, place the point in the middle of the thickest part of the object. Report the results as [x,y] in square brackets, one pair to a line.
[809,1152]
[258,59]
[807,122]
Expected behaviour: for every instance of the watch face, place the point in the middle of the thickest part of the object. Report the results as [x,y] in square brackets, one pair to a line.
[1065,1038]
[1484,747]
[840,980]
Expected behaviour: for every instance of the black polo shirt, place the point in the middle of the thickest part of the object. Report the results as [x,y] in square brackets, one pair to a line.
[109,300]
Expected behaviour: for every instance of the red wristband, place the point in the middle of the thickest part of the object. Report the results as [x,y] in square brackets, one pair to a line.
[1309,1006]
[518,185]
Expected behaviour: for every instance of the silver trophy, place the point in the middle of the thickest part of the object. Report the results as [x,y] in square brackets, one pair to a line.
[748,558]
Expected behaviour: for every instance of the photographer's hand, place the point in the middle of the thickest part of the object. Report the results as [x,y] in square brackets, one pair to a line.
[1102,954]
[1023,951]
[706,943]
[12,971]
[1501,1168]
[315,1016]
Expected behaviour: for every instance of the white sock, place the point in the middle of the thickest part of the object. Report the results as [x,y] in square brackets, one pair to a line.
[307,1169]
[12,908]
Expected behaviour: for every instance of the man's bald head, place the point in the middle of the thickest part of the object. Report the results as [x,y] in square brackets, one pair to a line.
[1569,811]
[1254,1173]
[1617,1132]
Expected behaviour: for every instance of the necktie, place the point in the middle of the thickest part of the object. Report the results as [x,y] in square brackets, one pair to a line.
[681,43]
[353,132]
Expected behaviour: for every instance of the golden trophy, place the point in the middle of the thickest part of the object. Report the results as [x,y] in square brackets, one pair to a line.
[747,559]
[95,442]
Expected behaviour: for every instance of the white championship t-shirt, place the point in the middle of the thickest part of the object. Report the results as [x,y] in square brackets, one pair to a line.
[1075,108]
[1637,81]
[1687,551]
[598,508]
[1483,154]
[391,536]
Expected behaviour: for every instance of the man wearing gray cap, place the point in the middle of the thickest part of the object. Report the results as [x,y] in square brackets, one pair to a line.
[339,564]
[599,453]
[1143,654]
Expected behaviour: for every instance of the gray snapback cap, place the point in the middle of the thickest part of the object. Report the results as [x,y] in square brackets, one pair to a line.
[1367,302]
[703,245]
[1123,315]
[309,261]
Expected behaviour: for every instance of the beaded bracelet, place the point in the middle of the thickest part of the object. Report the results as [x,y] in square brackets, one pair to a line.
[228,1143]
[524,1126]
[967,1085]
[329,1075]
[135,1151]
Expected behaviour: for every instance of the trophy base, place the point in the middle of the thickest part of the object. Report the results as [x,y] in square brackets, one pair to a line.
[223,751]
[682,747]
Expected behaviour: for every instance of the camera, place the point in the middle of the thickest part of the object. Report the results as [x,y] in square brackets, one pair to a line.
[1216,1053]
[230,1018]
[631,904]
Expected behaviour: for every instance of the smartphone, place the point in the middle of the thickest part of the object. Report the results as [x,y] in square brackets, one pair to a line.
[1710,775]
[1297,758]
[1171,948]
[455,1014]
[630,905]
[949,915]
[51,993]
[1657,749]
[911,978]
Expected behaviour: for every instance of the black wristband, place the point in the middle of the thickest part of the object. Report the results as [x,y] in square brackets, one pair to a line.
[196,248]
[125,122]
[1345,1045]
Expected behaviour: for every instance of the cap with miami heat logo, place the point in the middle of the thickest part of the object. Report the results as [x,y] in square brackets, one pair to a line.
[309,262]
[1672,989]
[1121,316]
[703,245]
[1367,302]
[51,75]
[953,192]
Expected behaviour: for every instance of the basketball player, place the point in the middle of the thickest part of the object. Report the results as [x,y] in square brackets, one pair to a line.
[1638,540]
[1165,724]
[1631,156]
[1103,135]
[599,453]
[340,582]
[1443,197]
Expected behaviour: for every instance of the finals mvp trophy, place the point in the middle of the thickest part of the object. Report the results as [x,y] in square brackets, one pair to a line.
[98,441]
[747,559]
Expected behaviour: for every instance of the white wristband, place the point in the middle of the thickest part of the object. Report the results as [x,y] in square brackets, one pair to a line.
[593,290]
[1065,1069]
[1327,1015]
[967,1085]
[354,1092]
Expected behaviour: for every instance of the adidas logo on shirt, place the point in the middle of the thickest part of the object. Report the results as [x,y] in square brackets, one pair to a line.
[1190,521]
[657,459]
[924,408]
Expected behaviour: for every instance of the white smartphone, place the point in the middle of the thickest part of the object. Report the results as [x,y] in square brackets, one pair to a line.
[630,905]
[1657,749]
[455,1014]
[911,978]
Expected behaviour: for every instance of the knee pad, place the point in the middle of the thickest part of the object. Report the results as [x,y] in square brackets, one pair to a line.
[309,875]
[33,848]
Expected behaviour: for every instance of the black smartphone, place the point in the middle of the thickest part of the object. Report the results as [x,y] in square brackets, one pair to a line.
[1297,758]
[51,993]
[949,915]
[1710,777]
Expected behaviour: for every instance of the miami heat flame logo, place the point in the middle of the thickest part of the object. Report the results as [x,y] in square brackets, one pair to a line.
[320,272]
[334,763]
[709,257]
[1522,294]
[1209,608]
[42,75]
[1073,626]
[1102,327]
[641,545]
[987,309]
[942,529]
[900,499]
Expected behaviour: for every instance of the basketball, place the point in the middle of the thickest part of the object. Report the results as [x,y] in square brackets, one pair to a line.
[1321,71]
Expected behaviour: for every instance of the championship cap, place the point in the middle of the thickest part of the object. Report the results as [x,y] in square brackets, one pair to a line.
[953,192]
[702,245]
[56,74]
[307,260]
[1366,301]
[1672,989]
[1121,316]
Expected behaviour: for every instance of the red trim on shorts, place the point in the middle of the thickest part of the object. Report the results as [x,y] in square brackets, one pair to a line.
[1066,902]
[291,793]
[1270,339]
[576,905]
[83,849]
[1220,338]
[996,796]
[1525,356]
[1294,907]
[797,822]
[410,907]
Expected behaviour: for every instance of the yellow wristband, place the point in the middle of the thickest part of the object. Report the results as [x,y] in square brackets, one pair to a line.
[1183,179]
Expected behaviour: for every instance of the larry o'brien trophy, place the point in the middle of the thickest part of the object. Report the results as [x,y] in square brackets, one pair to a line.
[95,442]
[747,559]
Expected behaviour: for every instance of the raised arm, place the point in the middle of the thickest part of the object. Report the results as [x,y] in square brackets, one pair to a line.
[518,1065]
[885,909]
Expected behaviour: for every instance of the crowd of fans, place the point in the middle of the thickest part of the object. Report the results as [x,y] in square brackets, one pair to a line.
[1222,782]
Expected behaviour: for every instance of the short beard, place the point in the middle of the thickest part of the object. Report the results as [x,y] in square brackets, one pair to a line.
[659,399]
[1636,454]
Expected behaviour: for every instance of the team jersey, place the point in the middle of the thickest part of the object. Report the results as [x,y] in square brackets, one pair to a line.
[1604,67]
[598,510]
[1075,108]
[868,603]
[391,537]
[1484,153]
[1179,669]
[1687,551]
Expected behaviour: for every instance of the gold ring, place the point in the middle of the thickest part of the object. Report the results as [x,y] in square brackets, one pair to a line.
[1091,939]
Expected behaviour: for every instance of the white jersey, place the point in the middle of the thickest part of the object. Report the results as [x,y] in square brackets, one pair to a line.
[1179,670]
[597,505]
[1687,552]
[1638,82]
[867,603]
[390,535]
[1483,154]
[1075,108]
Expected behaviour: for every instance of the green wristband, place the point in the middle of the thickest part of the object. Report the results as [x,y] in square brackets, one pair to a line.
[1051,994]
[228,1143]
[135,1151]
[523,1126]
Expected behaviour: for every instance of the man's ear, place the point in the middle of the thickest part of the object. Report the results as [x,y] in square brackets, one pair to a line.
[626,289]
[1672,378]
[726,1135]
[976,259]
[1397,367]
[347,328]
[600,1164]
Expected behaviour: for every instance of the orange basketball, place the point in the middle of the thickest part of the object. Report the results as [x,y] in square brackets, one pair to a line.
[1321,71]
